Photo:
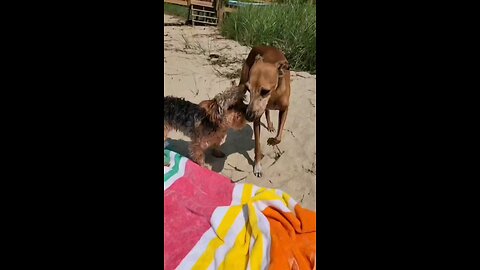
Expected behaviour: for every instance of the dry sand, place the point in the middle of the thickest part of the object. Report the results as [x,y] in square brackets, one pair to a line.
[190,72]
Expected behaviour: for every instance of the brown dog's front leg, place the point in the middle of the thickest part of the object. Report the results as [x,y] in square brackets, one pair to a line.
[269,123]
[257,168]
[282,118]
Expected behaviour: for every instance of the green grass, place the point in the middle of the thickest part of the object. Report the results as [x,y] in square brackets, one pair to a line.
[175,10]
[247,1]
[289,26]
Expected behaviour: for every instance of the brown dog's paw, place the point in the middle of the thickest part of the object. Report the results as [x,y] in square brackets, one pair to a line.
[217,153]
[271,128]
[273,141]
[257,170]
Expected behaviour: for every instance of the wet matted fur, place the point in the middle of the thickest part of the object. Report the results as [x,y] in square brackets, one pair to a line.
[205,123]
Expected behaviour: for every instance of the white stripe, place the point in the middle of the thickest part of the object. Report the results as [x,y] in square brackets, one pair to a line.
[172,158]
[172,161]
[211,266]
[197,251]
[237,194]
[264,227]
[291,204]
[180,173]
[217,217]
[254,191]
[278,204]
[168,168]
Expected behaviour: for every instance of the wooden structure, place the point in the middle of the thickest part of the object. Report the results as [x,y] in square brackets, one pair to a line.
[211,11]
[204,11]
[199,11]
[222,10]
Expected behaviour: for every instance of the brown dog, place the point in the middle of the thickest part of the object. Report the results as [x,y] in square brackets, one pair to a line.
[266,76]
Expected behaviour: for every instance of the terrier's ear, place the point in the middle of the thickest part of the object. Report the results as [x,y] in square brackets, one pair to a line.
[258,58]
[282,66]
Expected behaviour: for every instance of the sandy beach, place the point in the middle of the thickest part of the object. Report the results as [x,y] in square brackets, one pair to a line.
[199,63]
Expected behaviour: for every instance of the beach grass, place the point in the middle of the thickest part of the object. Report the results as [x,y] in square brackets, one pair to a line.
[289,26]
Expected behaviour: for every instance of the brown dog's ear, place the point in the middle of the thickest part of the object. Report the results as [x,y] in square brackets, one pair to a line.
[241,88]
[258,58]
[247,86]
[282,66]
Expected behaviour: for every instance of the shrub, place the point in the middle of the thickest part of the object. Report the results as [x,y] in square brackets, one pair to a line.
[290,26]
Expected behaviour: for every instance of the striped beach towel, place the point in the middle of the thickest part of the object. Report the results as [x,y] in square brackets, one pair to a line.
[212,223]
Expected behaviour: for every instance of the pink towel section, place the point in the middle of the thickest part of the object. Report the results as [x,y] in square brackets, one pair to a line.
[191,199]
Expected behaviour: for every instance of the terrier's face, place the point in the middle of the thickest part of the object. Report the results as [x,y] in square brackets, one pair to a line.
[235,116]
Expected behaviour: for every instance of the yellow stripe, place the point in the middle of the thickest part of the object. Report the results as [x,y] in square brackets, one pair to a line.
[237,256]
[247,193]
[208,256]
[256,253]
[266,195]
[286,198]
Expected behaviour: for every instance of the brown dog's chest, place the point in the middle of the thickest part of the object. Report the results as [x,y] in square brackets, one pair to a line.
[279,99]
[275,106]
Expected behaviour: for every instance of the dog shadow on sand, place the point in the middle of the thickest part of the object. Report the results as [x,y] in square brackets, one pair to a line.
[237,142]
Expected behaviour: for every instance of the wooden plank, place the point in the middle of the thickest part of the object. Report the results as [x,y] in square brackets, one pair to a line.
[177,2]
[206,22]
[202,3]
[202,16]
[201,10]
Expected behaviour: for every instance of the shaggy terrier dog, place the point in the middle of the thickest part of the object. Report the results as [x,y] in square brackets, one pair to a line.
[205,123]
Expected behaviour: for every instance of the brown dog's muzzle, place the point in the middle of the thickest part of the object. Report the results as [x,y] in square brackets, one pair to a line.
[251,115]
